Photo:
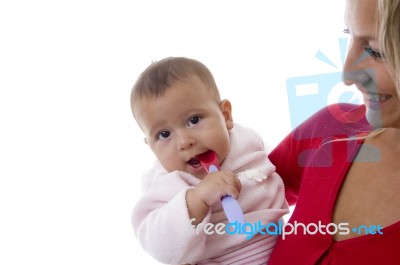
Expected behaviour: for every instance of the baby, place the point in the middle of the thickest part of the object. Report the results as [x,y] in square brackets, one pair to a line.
[177,105]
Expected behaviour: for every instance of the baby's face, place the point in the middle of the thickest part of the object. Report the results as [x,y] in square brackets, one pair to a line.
[184,122]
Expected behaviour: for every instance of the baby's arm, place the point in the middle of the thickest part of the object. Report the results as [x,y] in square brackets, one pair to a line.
[163,228]
[209,191]
[161,218]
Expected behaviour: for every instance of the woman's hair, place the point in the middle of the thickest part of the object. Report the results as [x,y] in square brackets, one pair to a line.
[161,75]
[388,13]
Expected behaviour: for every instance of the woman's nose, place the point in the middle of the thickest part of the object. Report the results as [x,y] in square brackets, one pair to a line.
[356,68]
[361,76]
[349,66]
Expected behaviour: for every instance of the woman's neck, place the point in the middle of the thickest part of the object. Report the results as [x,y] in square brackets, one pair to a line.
[388,141]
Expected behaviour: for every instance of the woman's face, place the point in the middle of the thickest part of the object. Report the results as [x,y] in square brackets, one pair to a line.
[364,66]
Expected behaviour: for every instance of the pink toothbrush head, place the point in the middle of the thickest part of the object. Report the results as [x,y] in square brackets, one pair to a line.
[209,159]
[233,212]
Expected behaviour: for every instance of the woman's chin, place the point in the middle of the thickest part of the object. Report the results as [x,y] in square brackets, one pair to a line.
[374,118]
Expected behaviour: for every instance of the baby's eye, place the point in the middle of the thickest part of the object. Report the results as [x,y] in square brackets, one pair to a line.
[163,135]
[193,121]
[374,54]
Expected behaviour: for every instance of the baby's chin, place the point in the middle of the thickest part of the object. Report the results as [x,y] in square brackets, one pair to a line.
[200,176]
[196,170]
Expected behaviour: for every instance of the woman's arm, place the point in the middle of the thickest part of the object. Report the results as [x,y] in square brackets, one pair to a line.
[297,151]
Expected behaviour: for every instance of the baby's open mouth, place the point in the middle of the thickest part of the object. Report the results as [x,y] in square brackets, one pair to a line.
[194,162]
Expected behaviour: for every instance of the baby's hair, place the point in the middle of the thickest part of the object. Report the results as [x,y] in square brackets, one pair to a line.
[161,75]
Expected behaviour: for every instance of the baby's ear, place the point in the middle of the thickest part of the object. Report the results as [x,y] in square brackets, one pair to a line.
[229,125]
[145,140]
[226,109]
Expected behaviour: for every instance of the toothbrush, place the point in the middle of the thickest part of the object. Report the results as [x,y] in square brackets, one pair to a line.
[233,212]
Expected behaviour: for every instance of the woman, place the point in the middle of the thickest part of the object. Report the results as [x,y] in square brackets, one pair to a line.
[339,167]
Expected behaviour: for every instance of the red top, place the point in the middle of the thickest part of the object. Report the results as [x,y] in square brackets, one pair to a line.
[313,174]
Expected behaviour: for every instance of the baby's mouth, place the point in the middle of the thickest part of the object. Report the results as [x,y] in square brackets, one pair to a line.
[194,162]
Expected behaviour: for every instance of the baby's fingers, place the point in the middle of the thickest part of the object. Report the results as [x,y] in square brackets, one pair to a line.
[233,186]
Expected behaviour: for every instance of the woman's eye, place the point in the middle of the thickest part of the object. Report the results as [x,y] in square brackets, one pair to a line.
[374,54]
[163,135]
[193,121]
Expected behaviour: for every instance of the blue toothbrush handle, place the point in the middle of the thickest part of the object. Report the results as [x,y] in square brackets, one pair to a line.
[232,209]
[231,206]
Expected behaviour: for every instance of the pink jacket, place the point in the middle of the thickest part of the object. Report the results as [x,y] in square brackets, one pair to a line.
[161,221]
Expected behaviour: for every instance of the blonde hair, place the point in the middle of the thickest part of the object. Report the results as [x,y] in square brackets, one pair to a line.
[388,13]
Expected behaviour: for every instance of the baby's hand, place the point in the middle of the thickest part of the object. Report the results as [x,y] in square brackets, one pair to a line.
[209,191]
[216,185]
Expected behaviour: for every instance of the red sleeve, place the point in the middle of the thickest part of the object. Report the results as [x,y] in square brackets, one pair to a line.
[291,159]
[296,152]
[284,158]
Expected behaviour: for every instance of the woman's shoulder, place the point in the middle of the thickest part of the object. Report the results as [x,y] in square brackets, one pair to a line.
[336,119]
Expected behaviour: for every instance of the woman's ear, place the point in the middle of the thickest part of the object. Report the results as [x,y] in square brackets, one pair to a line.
[226,109]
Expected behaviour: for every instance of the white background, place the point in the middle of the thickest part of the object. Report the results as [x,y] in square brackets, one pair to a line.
[70,152]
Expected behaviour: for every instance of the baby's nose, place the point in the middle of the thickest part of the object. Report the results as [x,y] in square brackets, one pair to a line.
[185,141]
